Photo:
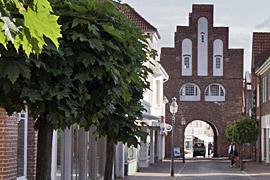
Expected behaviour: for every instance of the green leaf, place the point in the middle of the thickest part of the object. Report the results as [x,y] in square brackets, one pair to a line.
[110,29]
[40,22]
[76,35]
[82,77]
[96,43]
[77,21]
[77,8]
[3,38]
[9,26]
[67,71]
[12,69]
[94,29]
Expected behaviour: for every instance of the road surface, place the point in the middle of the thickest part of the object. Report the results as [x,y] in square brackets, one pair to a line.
[210,169]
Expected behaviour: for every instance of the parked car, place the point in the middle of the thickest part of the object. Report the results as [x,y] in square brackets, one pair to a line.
[199,149]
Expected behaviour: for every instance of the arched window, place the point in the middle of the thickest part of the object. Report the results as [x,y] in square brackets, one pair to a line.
[202,47]
[186,57]
[214,92]
[190,92]
[218,58]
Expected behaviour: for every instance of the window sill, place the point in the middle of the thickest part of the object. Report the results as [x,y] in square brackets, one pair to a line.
[21,178]
[191,98]
[214,99]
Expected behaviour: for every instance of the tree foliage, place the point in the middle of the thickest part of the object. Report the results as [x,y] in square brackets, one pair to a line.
[95,77]
[109,47]
[228,132]
[244,130]
[25,24]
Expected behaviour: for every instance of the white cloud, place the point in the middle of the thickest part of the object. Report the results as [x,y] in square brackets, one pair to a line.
[263,26]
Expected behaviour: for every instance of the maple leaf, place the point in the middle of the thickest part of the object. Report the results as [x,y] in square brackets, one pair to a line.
[40,22]
[13,68]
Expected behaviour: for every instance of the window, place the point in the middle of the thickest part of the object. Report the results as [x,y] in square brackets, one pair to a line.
[186,62]
[202,38]
[189,92]
[218,62]
[214,92]
[218,57]
[186,57]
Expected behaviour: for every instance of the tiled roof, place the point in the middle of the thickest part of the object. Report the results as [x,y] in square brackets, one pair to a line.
[260,47]
[137,19]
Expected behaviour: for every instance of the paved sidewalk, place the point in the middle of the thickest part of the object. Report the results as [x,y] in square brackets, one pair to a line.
[258,171]
[158,171]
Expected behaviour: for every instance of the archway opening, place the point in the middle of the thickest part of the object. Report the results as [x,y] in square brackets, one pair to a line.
[200,139]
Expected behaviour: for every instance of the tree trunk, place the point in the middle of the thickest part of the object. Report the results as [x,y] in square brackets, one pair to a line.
[241,156]
[44,150]
[109,159]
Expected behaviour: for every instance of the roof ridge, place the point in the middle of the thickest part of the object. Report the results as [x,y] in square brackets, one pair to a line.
[141,21]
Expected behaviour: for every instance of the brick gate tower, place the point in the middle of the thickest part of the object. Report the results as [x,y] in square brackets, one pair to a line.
[205,76]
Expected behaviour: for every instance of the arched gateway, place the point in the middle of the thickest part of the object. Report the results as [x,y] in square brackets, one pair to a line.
[203,132]
[206,77]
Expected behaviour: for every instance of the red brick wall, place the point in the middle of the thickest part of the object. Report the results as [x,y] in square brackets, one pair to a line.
[31,150]
[8,146]
[219,114]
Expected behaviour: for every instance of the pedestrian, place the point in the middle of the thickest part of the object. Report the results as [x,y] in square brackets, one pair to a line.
[231,151]
[210,146]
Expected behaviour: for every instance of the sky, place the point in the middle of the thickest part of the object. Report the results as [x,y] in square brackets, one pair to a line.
[243,17]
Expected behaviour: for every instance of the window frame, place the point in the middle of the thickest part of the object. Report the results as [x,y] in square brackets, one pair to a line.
[214,96]
[196,96]
[218,65]
[186,61]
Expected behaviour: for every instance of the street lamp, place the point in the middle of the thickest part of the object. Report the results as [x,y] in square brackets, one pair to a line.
[183,123]
[173,110]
